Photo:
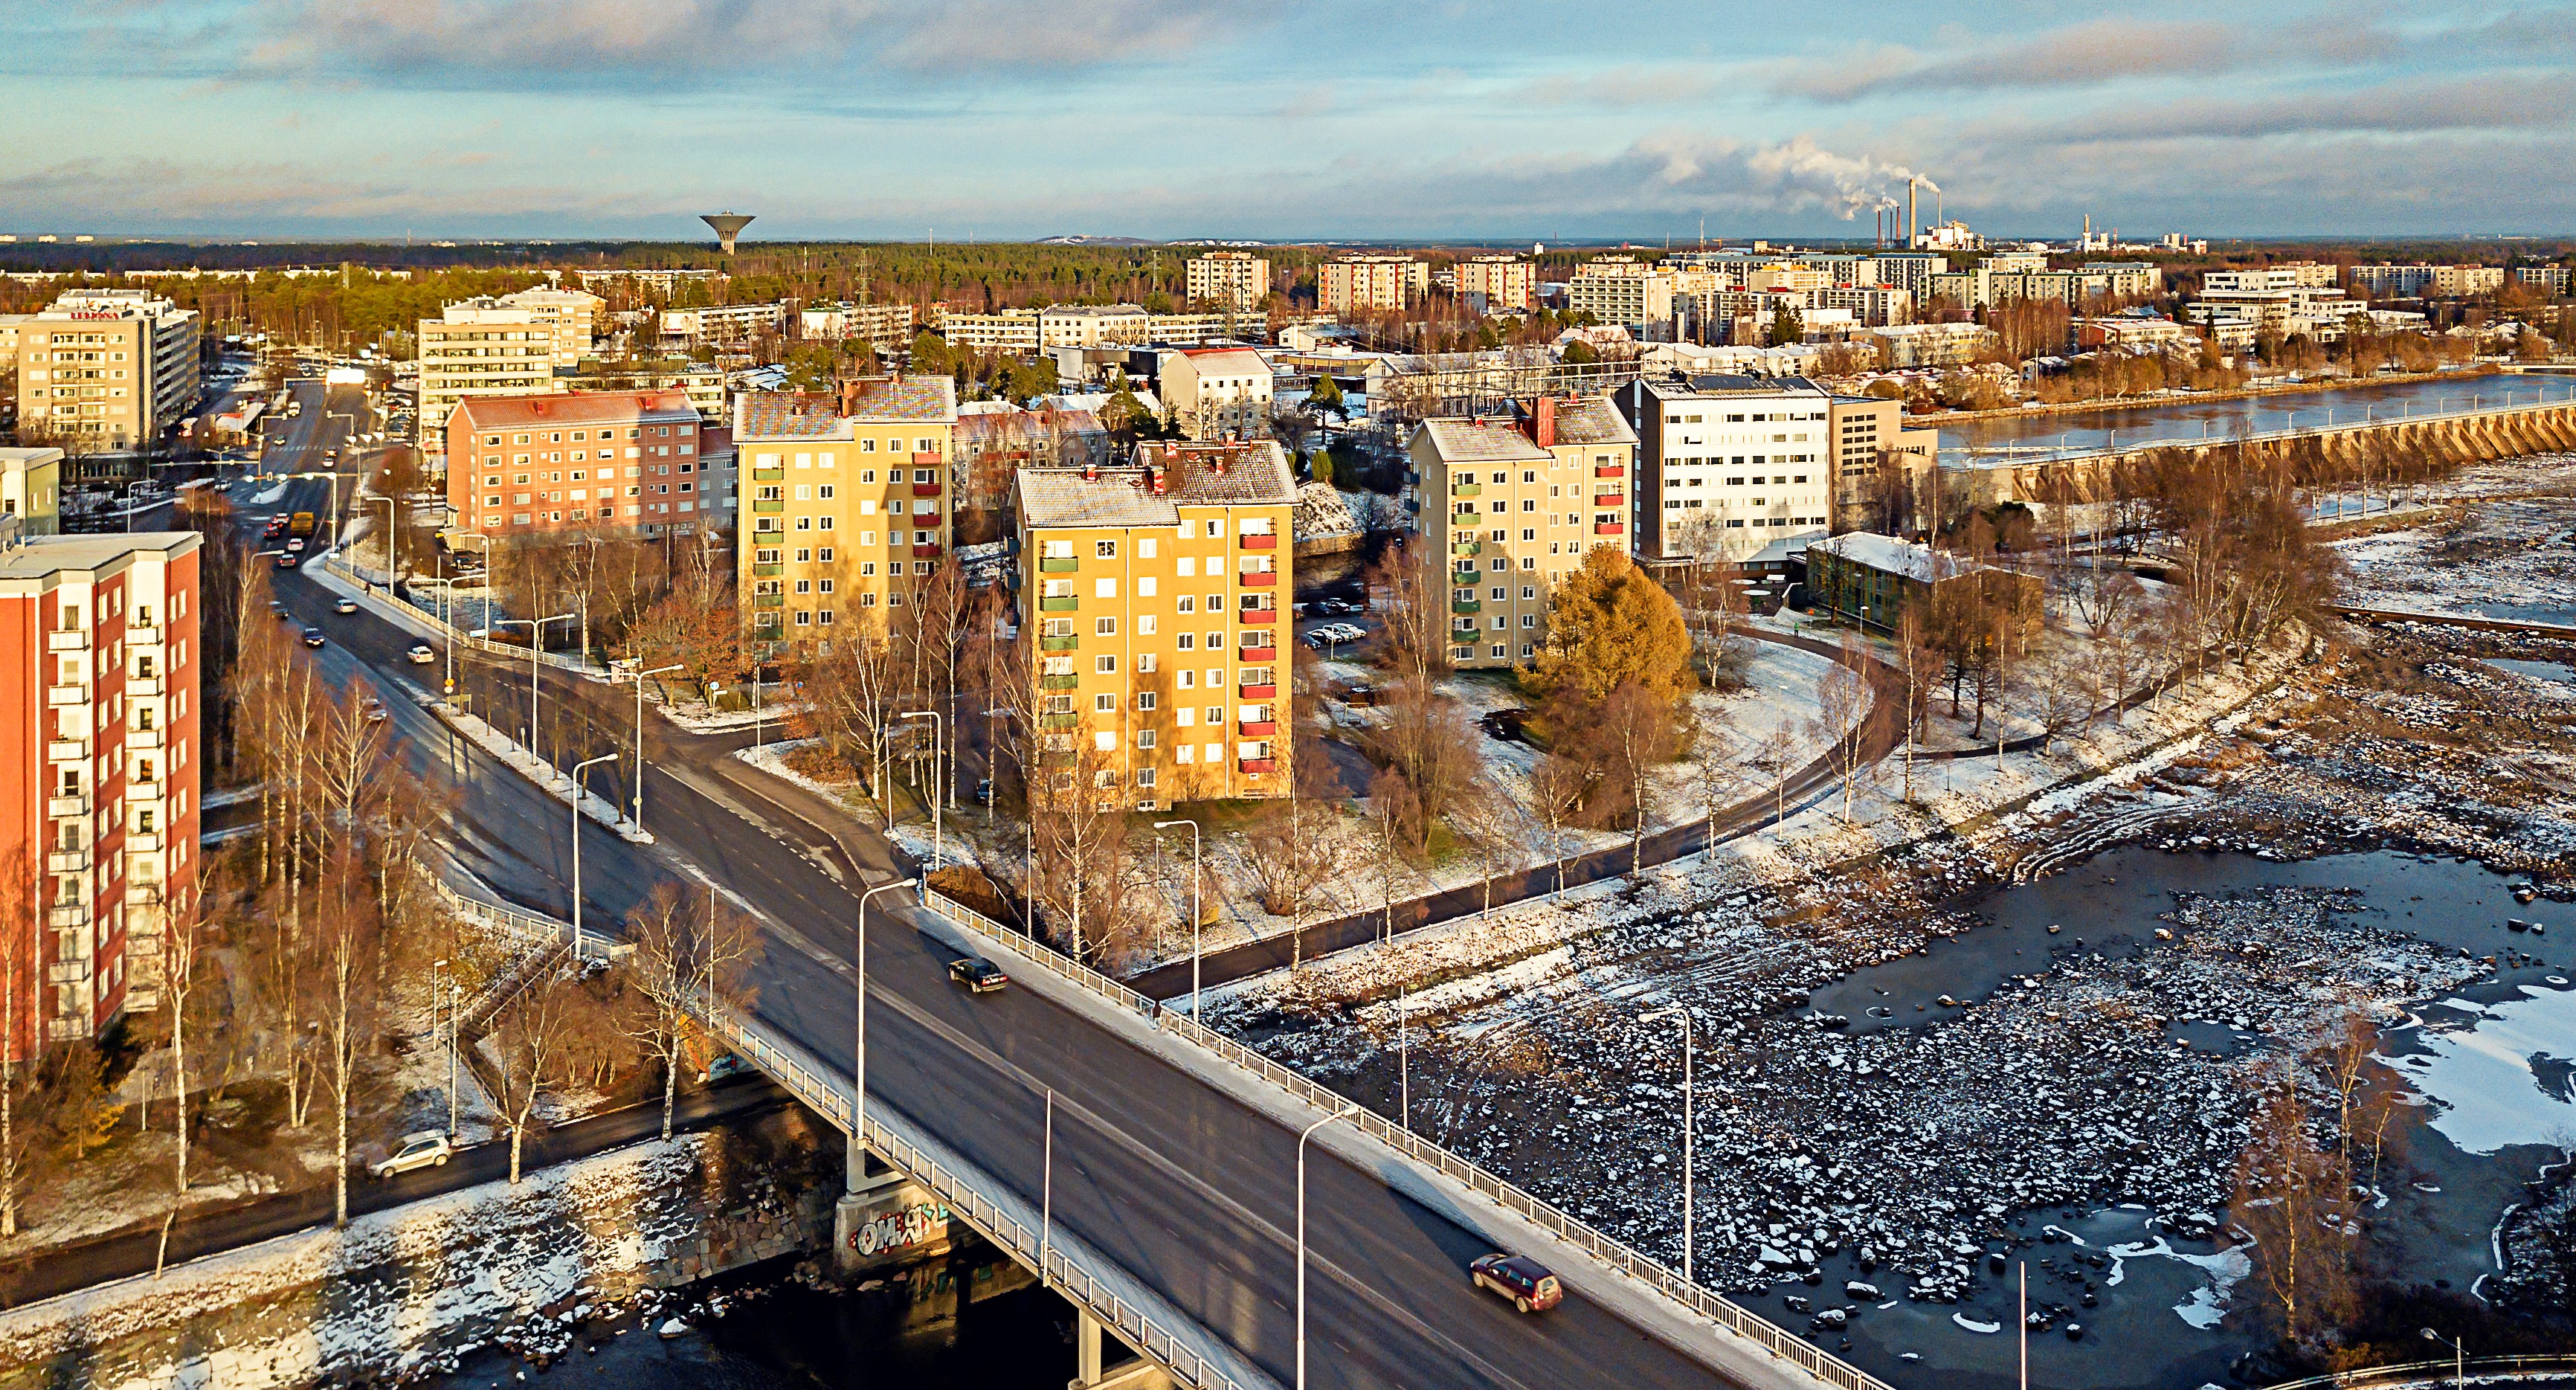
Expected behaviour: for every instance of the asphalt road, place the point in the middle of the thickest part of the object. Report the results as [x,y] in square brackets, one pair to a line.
[1191,1191]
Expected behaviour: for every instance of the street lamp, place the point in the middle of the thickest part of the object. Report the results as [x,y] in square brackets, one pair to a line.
[577,794]
[1343,1114]
[536,642]
[393,544]
[1196,915]
[2459,1354]
[1688,1128]
[640,674]
[857,1167]
[935,729]
[435,993]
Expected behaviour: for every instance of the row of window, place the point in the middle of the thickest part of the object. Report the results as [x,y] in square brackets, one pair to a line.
[1739,417]
[1501,651]
[1149,548]
[926,444]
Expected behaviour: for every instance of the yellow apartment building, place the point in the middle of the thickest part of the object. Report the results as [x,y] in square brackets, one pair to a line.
[845,502]
[1155,606]
[1514,502]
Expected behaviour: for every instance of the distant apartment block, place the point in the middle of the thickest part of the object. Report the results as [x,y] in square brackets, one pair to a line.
[106,369]
[1126,325]
[31,490]
[480,348]
[1512,503]
[848,501]
[994,445]
[1880,469]
[2144,279]
[660,284]
[1932,344]
[2548,279]
[883,326]
[1505,282]
[1013,331]
[1360,284]
[1730,465]
[1236,278]
[578,464]
[99,737]
[701,383]
[1625,291]
[571,315]
[1217,392]
[2408,281]
[723,323]
[1159,622]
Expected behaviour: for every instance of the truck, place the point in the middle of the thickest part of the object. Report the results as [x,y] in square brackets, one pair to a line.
[302,525]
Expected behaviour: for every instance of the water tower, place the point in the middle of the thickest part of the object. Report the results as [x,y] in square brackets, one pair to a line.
[728,225]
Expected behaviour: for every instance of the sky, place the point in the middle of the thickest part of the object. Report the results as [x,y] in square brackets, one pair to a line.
[1277,120]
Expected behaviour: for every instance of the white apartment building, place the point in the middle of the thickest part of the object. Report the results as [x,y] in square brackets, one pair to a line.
[1214,392]
[2410,280]
[1729,465]
[1124,325]
[1236,278]
[882,325]
[1006,330]
[2236,317]
[479,348]
[110,368]
[1931,344]
[1506,282]
[2550,279]
[1622,290]
[723,323]
[1357,284]
[571,315]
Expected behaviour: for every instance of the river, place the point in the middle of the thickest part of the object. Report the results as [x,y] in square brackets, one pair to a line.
[2177,420]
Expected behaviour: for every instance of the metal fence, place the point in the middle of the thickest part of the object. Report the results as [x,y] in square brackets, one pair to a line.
[2437,1372]
[1618,1256]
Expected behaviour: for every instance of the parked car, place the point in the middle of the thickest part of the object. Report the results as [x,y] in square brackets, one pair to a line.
[427,1149]
[1524,1281]
[420,654]
[978,975]
[346,605]
[313,637]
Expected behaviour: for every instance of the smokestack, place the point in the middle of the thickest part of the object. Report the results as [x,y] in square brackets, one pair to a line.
[1909,212]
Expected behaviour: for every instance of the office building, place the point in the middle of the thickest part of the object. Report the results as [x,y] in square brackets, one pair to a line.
[100,711]
[1159,622]
[1237,279]
[576,464]
[848,500]
[106,369]
[1216,392]
[1361,284]
[1513,503]
[1504,282]
[1729,465]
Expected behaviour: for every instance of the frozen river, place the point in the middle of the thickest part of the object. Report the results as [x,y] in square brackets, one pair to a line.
[2091,431]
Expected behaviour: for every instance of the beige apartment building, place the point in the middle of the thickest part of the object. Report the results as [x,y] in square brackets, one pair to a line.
[1515,502]
[481,348]
[1007,330]
[1358,284]
[1157,621]
[1216,392]
[848,501]
[580,463]
[1623,290]
[1879,467]
[1506,282]
[572,316]
[1236,278]
[106,369]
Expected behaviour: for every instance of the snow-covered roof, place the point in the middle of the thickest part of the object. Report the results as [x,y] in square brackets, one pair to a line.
[1889,555]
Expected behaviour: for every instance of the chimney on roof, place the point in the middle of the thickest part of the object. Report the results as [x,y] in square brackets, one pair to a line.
[1543,422]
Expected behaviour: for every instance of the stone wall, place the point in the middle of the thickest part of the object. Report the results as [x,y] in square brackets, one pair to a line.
[396,1288]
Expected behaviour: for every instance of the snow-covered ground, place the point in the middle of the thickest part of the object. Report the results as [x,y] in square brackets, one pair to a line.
[2513,556]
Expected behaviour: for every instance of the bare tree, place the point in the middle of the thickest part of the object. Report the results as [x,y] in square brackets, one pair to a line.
[687,962]
[2293,1200]
[22,1111]
[532,1036]
[1842,714]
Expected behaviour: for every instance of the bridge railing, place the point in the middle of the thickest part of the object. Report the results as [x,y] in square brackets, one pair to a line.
[1621,1257]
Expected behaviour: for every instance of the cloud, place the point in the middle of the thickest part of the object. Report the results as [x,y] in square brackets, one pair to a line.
[166,195]
[2492,103]
[2088,54]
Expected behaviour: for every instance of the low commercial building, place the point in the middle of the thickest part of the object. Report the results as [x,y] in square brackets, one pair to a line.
[848,502]
[1216,392]
[99,750]
[106,369]
[1873,580]
[1727,465]
[1237,279]
[1158,621]
[1515,501]
[1359,284]
[578,464]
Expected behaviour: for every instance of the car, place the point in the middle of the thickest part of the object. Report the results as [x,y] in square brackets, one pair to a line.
[420,654]
[978,975]
[313,637]
[346,605]
[427,1149]
[287,561]
[277,608]
[1524,1281]
[295,546]
[376,711]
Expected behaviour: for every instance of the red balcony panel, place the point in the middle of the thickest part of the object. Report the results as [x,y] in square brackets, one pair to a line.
[925,551]
[1257,765]
[1257,692]
[1610,499]
[1607,528]
[1261,579]
[1263,542]
[1262,729]
[930,458]
[925,489]
[1608,471]
[1261,615]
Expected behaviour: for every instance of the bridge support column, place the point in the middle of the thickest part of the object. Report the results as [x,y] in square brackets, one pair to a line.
[1090,1341]
[885,1218]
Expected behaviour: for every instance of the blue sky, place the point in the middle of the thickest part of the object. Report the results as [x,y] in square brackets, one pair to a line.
[1278,119]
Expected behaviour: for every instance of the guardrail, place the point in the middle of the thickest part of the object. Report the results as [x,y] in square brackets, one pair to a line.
[2436,1372]
[1620,1257]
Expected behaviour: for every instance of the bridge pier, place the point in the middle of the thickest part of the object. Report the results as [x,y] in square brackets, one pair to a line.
[884,1218]
[1089,1341]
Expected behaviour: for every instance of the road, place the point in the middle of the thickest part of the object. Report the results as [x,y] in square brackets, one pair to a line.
[1190,1190]
[128,1253]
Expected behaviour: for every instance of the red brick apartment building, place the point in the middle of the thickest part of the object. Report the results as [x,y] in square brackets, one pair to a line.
[635,461]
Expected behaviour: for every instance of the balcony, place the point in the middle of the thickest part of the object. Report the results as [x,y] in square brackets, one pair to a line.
[1058,723]
[66,750]
[1608,471]
[768,475]
[1257,728]
[139,738]
[1257,692]
[1466,490]
[143,685]
[140,790]
[1255,540]
[1059,564]
[74,641]
[1059,644]
[1467,547]
[769,600]
[66,806]
[925,489]
[767,571]
[926,551]
[143,844]
[143,637]
[67,915]
[1609,499]
[66,861]
[1064,604]
[67,695]
[1261,615]
[1261,579]
[1258,646]
[1607,528]
[1466,605]
[1059,682]
[1256,766]
[768,504]
[930,458]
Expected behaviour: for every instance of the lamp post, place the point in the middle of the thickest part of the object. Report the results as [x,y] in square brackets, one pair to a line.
[936,729]
[1196,914]
[393,545]
[577,794]
[536,642]
[1688,1127]
[2459,1354]
[1343,1114]
[436,993]
[857,1173]
[640,674]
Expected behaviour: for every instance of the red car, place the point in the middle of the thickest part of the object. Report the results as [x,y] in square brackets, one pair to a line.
[1524,1281]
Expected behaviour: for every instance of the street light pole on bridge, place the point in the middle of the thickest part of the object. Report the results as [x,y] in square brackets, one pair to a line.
[855,1176]
[577,794]
[1343,1114]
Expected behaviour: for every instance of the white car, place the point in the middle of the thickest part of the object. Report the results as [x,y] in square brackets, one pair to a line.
[420,654]
[376,711]
[427,1149]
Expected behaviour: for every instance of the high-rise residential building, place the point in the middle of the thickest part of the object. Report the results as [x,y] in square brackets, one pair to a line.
[106,369]
[1880,469]
[1728,466]
[1626,291]
[848,499]
[1215,392]
[481,348]
[99,738]
[1236,278]
[1514,502]
[580,463]
[1360,284]
[1158,622]
[572,316]
[1506,282]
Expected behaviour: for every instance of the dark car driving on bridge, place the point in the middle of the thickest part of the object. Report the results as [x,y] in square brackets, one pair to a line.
[978,975]
[1524,1281]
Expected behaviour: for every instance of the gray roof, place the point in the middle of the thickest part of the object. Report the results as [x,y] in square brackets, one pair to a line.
[1254,474]
[1063,497]
[1482,441]
[1591,420]
[40,556]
